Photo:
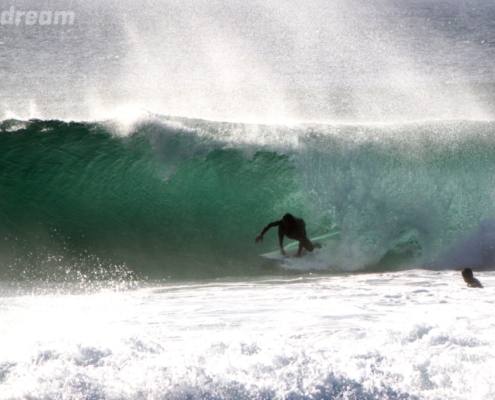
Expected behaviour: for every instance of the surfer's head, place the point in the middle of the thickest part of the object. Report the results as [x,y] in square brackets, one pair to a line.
[288,219]
[467,274]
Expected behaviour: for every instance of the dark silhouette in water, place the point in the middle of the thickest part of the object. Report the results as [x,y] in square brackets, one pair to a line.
[292,227]
[470,280]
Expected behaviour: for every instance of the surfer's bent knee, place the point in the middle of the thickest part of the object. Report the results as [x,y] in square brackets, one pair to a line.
[309,246]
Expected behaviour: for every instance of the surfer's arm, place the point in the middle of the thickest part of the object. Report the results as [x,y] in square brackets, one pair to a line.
[270,225]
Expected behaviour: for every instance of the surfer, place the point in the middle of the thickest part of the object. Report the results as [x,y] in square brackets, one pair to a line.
[471,281]
[292,227]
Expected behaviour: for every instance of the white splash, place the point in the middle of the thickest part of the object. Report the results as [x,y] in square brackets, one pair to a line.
[406,335]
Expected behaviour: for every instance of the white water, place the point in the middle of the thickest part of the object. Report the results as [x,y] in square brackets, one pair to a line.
[415,334]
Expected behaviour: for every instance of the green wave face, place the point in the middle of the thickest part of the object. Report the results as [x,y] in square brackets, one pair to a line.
[75,197]
[185,199]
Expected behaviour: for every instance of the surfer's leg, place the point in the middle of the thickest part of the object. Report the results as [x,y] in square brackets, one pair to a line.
[299,251]
[308,245]
[281,233]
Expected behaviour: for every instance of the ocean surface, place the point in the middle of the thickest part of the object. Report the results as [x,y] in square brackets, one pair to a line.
[145,144]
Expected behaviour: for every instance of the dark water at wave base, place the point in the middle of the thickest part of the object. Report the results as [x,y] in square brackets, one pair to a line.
[185,198]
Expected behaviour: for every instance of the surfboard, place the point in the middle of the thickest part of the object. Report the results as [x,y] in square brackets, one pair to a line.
[291,248]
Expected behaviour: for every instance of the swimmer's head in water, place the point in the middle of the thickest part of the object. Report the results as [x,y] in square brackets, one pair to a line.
[288,219]
[467,273]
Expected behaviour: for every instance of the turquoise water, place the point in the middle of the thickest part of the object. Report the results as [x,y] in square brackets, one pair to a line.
[75,193]
[185,198]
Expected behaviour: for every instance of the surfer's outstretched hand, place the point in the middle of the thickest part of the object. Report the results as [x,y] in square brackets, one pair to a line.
[258,238]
